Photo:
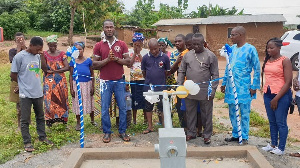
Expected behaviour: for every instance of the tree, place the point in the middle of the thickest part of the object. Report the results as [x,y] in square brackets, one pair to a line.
[11,6]
[210,10]
[143,15]
[96,12]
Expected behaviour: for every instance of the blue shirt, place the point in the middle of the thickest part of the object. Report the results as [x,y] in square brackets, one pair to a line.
[83,70]
[155,68]
[242,61]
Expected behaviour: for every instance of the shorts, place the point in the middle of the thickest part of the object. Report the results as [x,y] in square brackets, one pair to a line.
[138,100]
[13,97]
[149,106]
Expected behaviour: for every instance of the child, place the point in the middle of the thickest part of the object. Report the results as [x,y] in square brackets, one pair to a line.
[86,82]
[128,104]
[155,66]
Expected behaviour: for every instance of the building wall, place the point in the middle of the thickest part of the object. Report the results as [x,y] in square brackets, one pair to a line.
[257,34]
[124,35]
[175,30]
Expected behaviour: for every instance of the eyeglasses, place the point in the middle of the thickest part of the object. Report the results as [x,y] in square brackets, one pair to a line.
[232,35]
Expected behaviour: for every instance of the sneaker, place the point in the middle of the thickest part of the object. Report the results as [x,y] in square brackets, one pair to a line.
[268,148]
[277,151]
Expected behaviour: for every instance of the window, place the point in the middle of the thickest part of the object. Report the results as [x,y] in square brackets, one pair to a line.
[297,37]
[229,32]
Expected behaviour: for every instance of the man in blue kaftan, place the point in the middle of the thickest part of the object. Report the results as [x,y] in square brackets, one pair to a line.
[243,60]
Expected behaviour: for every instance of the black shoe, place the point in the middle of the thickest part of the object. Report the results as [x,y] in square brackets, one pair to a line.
[231,139]
[245,141]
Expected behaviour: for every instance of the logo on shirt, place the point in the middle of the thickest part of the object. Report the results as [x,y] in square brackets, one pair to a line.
[34,66]
[160,64]
[117,48]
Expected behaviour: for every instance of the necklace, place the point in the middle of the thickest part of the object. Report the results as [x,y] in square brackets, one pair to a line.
[198,59]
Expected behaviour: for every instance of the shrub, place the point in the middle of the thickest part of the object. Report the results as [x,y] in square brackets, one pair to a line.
[12,23]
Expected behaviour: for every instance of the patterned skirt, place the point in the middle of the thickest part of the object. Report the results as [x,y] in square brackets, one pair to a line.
[87,99]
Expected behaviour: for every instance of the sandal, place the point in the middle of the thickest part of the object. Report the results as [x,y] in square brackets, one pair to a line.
[47,141]
[124,137]
[28,147]
[146,131]
[207,141]
[295,154]
[106,138]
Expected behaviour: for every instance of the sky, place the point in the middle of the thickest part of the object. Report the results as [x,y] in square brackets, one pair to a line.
[289,8]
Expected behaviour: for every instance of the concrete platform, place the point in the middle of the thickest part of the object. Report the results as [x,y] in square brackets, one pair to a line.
[98,157]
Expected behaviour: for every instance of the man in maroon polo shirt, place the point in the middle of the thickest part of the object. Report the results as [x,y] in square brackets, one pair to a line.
[110,55]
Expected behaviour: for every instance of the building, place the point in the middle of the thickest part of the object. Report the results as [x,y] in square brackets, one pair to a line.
[216,29]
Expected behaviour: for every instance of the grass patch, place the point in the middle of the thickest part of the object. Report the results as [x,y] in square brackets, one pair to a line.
[219,127]
[11,142]
[219,95]
[31,33]
[262,125]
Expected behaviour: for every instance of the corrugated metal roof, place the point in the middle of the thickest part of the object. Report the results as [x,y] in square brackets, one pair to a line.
[244,19]
[171,22]
[223,20]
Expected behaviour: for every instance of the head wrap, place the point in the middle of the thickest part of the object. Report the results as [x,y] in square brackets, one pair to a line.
[166,41]
[51,39]
[138,37]
[80,43]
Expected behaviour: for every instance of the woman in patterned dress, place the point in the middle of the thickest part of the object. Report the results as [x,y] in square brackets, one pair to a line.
[55,84]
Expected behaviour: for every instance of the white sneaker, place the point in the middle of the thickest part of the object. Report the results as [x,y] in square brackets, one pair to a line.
[277,151]
[268,148]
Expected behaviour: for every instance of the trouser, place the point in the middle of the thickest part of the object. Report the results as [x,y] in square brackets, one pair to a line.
[206,108]
[118,87]
[181,113]
[278,118]
[25,105]
[245,119]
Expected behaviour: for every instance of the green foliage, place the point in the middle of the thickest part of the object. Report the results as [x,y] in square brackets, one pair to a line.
[12,23]
[54,17]
[30,33]
[97,11]
[11,6]
[260,124]
[219,95]
[143,15]
[210,10]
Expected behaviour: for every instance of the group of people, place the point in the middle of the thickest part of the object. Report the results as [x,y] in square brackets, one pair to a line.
[192,60]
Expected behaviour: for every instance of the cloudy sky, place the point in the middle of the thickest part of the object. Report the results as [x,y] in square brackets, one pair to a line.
[289,8]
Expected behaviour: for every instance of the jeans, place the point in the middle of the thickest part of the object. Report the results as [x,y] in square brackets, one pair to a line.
[25,105]
[245,120]
[119,89]
[278,118]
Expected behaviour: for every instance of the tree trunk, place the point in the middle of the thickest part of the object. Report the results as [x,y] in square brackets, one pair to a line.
[70,37]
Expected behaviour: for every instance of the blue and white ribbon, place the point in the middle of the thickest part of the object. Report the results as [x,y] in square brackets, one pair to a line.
[236,102]
[73,53]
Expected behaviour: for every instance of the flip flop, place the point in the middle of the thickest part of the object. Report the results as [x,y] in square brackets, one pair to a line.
[295,154]
[124,137]
[146,131]
[106,138]
[28,147]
